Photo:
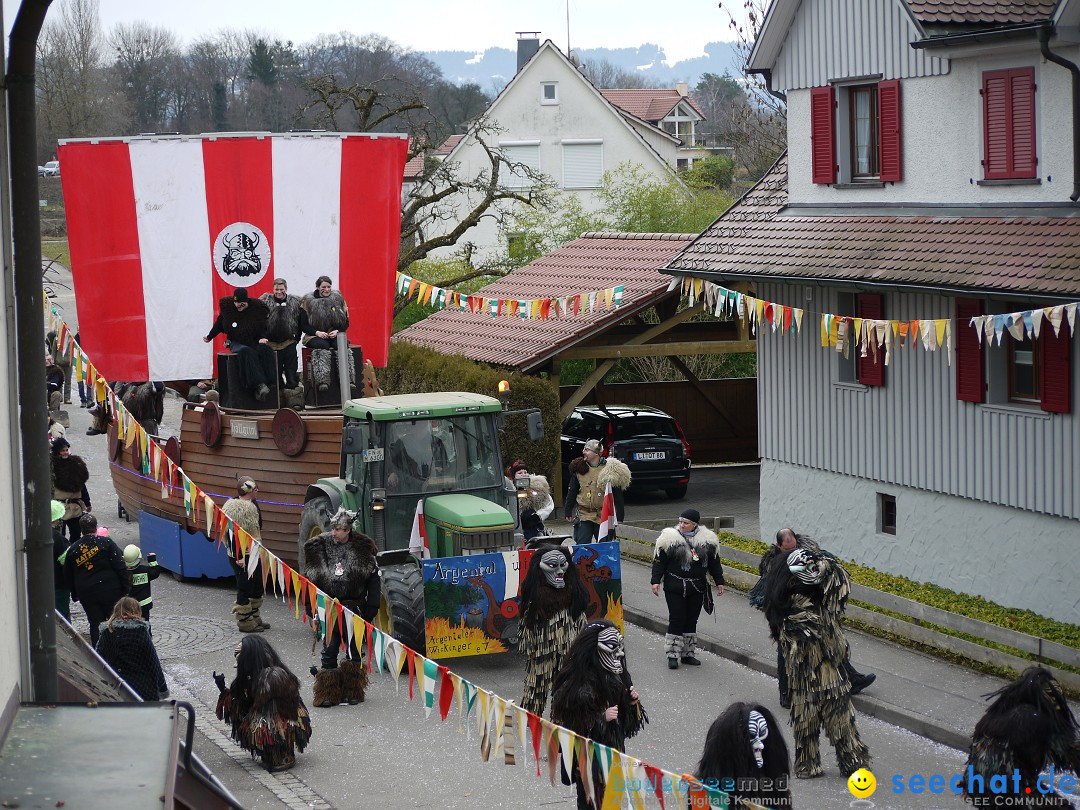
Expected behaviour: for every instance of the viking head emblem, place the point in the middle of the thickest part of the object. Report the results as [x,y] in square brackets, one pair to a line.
[240,258]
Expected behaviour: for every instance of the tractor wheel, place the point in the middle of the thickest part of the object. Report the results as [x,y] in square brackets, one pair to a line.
[401,608]
[314,520]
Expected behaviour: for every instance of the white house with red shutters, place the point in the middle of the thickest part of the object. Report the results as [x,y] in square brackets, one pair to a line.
[931,175]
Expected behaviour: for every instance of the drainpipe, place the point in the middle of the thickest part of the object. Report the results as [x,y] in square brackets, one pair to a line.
[1044,47]
[30,347]
[767,76]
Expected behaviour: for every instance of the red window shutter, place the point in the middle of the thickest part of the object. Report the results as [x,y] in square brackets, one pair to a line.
[1009,124]
[872,367]
[969,352]
[1055,368]
[889,142]
[822,135]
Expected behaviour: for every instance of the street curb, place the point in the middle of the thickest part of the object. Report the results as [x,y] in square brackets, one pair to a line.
[918,724]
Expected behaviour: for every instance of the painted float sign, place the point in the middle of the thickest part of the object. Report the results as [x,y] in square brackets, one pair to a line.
[472,603]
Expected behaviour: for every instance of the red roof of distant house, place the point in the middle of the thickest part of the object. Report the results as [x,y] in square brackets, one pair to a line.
[415,166]
[595,261]
[649,105]
[981,11]
[1016,250]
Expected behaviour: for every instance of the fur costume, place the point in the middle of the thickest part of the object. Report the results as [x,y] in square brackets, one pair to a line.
[145,401]
[349,573]
[69,484]
[249,589]
[538,505]
[322,370]
[551,618]
[584,689]
[682,562]
[729,763]
[245,514]
[325,314]
[283,323]
[263,706]
[804,616]
[1028,727]
[587,486]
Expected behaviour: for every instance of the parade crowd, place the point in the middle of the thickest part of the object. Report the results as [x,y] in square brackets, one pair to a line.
[577,664]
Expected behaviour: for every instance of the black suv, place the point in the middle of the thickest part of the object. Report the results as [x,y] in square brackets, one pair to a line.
[647,440]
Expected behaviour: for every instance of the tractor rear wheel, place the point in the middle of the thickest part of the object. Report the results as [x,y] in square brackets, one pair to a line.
[314,520]
[401,608]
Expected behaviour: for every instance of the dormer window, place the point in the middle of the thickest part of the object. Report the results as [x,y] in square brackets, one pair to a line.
[549,92]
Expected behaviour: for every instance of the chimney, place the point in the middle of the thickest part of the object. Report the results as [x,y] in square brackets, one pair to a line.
[682,88]
[528,44]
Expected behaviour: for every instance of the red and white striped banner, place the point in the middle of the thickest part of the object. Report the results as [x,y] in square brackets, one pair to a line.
[151,222]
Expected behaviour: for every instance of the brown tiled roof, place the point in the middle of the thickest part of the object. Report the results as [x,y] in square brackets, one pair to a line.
[648,105]
[415,166]
[1007,253]
[593,262]
[937,12]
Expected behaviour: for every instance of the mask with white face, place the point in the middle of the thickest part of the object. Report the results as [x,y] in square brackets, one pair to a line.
[759,730]
[609,642]
[554,565]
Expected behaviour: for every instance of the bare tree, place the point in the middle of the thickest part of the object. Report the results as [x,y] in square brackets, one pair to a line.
[145,59]
[75,97]
[760,131]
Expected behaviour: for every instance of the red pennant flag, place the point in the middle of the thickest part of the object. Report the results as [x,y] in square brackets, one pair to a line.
[545,308]
[446,693]
[409,654]
[608,519]
[656,779]
[534,733]
[370,647]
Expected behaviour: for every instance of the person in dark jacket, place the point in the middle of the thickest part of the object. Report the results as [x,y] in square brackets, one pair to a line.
[325,313]
[141,575]
[341,563]
[284,328]
[60,546]
[95,573]
[684,554]
[243,321]
[126,646]
[69,475]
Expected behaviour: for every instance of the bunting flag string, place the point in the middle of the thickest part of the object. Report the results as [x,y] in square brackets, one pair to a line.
[543,309]
[503,726]
[867,336]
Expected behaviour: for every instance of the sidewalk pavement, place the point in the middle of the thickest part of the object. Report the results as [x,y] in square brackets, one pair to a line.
[924,694]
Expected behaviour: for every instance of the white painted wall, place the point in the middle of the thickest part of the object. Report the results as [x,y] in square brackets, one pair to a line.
[581,113]
[942,134]
[1010,556]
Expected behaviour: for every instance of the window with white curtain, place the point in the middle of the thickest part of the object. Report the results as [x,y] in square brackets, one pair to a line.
[526,153]
[583,163]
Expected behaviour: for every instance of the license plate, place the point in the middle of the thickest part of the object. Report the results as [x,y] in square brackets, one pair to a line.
[372,454]
[654,456]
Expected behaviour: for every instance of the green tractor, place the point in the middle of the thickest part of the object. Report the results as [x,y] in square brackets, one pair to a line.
[441,448]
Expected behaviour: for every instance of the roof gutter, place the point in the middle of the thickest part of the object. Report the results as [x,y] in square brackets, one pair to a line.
[1044,47]
[991,35]
[766,75]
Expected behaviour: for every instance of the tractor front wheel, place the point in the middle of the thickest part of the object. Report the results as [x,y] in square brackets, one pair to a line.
[314,520]
[401,608]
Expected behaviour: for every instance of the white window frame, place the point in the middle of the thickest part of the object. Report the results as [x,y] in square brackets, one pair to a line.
[520,152]
[591,182]
[544,100]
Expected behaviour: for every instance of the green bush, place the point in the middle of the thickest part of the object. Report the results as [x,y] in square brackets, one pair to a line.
[414,369]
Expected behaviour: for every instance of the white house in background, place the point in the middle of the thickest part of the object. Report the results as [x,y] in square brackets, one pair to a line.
[930,175]
[672,110]
[554,120]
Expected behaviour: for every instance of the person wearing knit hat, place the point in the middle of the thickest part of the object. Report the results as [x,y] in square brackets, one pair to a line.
[590,475]
[683,557]
[244,512]
[60,547]
[243,321]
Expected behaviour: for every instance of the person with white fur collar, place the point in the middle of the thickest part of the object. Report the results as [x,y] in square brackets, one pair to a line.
[682,558]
